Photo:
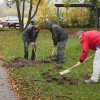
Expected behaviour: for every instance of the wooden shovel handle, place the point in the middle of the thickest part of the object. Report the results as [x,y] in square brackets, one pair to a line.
[73,66]
[85,60]
[53,51]
[68,70]
[89,57]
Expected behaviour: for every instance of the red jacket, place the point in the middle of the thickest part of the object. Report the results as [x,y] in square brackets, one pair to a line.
[89,40]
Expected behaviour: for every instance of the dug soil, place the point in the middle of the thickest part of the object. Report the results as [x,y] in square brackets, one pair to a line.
[21,62]
[49,77]
[62,80]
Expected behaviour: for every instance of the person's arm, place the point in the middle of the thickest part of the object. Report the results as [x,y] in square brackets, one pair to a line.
[34,40]
[36,30]
[85,49]
[35,36]
[54,36]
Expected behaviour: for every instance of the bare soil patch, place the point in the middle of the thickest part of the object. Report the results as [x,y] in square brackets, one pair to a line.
[48,77]
[21,62]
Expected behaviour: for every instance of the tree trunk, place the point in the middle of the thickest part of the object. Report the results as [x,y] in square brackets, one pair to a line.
[19,15]
[23,13]
[29,15]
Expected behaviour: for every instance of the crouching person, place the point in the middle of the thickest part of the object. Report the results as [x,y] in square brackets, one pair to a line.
[29,36]
[59,37]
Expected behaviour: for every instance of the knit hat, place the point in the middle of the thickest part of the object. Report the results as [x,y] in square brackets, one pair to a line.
[79,33]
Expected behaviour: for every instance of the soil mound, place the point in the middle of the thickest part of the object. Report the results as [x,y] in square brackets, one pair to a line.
[19,62]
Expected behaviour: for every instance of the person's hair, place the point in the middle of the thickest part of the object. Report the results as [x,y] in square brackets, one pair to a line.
[79,33]
[36,27]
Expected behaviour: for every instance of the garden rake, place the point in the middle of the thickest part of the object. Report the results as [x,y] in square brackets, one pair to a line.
[69,69]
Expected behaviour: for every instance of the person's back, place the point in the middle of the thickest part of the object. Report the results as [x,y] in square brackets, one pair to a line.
[60,32]
[92,37]
[28,31]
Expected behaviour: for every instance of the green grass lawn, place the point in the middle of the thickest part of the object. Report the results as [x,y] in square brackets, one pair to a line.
[30,80]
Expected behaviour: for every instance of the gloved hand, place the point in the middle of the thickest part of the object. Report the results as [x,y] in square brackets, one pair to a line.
[78,63]
[32,44]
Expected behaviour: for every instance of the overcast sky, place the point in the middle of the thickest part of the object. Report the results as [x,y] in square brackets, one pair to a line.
[5,11]
[1,1]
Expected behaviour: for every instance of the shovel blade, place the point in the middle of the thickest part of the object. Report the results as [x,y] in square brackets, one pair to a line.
[64,72]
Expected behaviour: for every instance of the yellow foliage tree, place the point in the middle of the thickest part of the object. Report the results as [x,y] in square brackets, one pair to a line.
[46,11]
[77,16]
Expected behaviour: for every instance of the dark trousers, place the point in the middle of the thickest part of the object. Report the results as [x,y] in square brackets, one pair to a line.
[26,46]
[60,50]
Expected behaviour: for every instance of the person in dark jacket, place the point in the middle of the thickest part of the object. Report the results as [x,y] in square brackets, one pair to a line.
[59,37]
[29,36]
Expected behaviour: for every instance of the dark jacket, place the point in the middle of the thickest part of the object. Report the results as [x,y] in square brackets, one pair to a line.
[29,35]
[58,33]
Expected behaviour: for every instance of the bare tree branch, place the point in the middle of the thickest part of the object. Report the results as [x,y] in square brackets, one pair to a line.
[36,9]
[30,17]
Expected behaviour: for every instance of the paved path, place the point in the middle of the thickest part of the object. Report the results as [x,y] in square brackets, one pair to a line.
[6,91]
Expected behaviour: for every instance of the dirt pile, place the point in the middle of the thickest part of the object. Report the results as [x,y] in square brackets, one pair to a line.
[21,62]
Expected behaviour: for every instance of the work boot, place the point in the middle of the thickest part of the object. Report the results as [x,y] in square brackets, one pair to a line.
[26,55]
[60,61]
[89,81]
[54,58]
[33,58]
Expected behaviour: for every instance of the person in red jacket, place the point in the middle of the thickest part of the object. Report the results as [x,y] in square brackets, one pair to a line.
[90,40]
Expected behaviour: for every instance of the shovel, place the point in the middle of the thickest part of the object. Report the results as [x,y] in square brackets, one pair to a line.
[34,51]
[53,51]
[68,70]
[87,73]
